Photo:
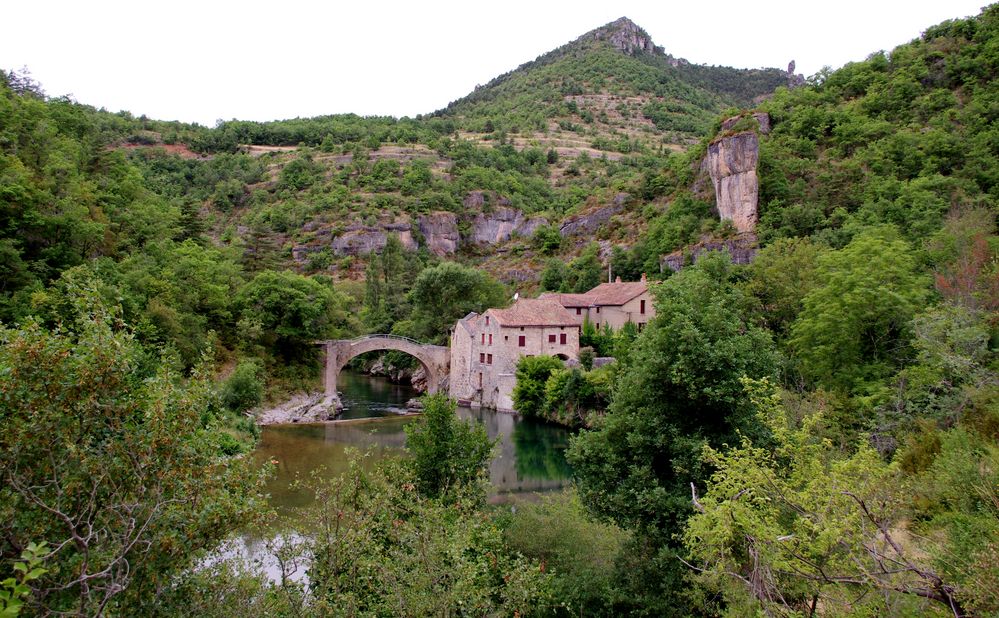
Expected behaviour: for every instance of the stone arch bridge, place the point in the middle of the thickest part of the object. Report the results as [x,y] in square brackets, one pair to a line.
[436,359]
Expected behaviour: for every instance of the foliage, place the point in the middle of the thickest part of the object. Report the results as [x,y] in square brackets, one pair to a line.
[532,374]
[288,312]
[681,390]
[579,553]
[854,326]
[448,291]
[448,454]
[13,590]
[244,389]
[795,525]
[121,474]
[380,547]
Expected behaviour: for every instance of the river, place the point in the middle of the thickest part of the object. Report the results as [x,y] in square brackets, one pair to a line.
[529,456]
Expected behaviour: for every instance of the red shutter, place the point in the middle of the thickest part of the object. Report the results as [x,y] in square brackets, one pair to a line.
[561,338]
[643,308]
[522,341]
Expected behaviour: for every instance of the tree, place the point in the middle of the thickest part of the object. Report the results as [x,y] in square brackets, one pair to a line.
[119,473]
[444,293]
[681,390]
[448,453]
[292,311]
[584,272]
[529,391]
[855,325]
[794,525]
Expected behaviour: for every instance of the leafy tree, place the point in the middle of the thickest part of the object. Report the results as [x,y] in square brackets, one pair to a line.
[585,272]
[291,311]
[781,275]
[118,472]
[855,324]
[379,546]
[448,291]
[532,374]
[447,453]
[680,391]
[794,525]
[553,276]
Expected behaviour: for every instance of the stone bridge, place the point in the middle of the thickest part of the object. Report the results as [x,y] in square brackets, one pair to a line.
[436,359]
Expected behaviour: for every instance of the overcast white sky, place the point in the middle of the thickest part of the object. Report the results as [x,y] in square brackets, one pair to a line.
[200,61]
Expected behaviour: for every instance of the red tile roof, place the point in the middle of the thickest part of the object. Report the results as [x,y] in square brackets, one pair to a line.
[534,312]
[604,295]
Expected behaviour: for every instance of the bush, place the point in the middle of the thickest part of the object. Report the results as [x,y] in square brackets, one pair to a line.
[245,388]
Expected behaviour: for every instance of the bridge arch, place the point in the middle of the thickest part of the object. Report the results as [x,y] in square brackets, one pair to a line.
[436,360]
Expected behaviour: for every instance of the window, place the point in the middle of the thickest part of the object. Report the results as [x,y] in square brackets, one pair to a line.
[489,359]
[482,357]
[642,310]
[483,338]
[641,325]
[490,339]
[551,338]
[521,329]
[579,310]
[480,379]
[598,309]
[561,338]
[487,320]
[522,341]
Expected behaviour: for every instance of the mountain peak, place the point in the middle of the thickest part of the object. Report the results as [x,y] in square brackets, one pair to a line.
[626,36]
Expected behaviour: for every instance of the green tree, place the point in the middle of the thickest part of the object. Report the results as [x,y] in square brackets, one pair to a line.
[292,311]
[448,291]
[855,325]
[793,525]
[118,472]
[448,453]
[529,391]
[680,391]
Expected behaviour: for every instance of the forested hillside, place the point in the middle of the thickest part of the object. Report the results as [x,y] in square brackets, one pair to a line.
[812,432]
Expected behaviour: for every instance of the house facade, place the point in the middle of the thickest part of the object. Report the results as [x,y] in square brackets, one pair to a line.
[485,348]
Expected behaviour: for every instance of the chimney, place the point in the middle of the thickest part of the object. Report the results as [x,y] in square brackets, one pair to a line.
[618,279]
[643,277]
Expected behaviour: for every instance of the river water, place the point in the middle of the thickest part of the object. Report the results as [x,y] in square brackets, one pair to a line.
[529,456]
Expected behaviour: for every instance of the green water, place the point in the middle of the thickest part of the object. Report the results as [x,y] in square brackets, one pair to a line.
[529,456]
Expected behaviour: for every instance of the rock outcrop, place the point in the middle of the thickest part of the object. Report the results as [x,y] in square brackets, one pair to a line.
[590,221]
[731,162]
[742,250]
[364,239]
[626,36]
[440,232]
[502,224]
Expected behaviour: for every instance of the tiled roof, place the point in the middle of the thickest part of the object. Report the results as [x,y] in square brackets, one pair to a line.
[616,293]
[534,312]
[605,294]
[568,300]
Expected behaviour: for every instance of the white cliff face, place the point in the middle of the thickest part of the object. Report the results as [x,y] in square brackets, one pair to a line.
[732,162]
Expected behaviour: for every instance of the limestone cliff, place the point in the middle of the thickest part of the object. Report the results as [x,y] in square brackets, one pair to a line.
[731,162]
[440,232]
[502,224]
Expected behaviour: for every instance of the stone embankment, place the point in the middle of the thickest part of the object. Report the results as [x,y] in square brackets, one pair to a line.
[301,408]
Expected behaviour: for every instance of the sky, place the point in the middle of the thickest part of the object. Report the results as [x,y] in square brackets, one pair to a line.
[204,61]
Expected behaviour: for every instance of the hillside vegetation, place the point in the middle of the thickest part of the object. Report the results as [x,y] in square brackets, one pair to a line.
[812,433]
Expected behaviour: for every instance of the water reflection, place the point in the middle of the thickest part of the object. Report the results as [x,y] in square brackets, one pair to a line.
[530,456]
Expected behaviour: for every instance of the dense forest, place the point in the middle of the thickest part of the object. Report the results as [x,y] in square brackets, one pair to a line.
[812,433]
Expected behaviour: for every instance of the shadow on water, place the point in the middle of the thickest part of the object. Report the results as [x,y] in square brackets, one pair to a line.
[529,456]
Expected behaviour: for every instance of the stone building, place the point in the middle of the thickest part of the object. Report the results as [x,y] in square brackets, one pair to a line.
[485,348]
[613,304]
